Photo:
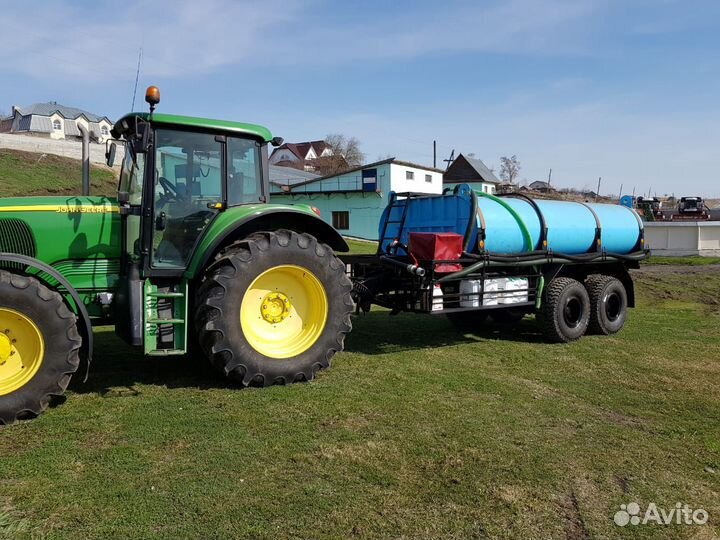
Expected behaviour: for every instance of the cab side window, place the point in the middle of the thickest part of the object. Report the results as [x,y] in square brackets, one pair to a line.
[244,176]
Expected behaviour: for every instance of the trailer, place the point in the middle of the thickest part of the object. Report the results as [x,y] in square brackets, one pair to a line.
[471,256]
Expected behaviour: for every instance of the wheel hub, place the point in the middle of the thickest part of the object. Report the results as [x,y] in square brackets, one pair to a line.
[275,307]
[6,348]
[22,349]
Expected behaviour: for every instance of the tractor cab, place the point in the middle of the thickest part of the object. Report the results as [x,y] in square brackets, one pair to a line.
[178,173]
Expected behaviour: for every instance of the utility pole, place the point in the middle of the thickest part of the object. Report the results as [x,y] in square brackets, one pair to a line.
[620,196]
[549,177]
[434,154]
[597,193]
[450,159]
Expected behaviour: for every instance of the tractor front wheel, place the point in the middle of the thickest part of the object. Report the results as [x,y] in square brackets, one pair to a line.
[39,346]
[274,308]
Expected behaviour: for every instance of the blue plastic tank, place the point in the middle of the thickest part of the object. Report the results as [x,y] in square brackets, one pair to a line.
[513,225]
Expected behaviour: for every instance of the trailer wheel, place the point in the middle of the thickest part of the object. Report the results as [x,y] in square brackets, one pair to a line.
[39,346]
[467,321]
[565,312]
[608,304]
[274,308]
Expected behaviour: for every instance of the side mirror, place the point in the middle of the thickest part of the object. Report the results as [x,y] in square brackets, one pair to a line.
[110,151]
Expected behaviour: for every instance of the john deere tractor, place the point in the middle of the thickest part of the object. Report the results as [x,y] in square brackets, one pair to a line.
[189,254]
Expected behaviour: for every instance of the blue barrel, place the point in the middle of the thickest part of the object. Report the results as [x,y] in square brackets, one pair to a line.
[514,225]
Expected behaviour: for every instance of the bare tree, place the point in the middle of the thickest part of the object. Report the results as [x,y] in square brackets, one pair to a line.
[346,154]
[347,147]
[509,168]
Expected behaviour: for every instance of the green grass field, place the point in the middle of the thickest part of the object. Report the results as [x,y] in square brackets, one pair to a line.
[29,173]
[417,431]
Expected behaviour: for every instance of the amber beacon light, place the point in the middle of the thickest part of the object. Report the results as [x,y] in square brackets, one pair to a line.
[152,96]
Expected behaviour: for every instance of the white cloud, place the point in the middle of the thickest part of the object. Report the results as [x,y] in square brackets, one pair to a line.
[184,39]
[65,41]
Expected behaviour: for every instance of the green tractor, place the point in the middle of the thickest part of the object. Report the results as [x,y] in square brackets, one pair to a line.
[189,255]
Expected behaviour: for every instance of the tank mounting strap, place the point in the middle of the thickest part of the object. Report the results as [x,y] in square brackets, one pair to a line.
[541,216]
[526,233]
[598,227]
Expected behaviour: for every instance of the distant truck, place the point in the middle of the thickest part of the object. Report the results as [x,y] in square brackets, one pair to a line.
[649,208]
[691,209]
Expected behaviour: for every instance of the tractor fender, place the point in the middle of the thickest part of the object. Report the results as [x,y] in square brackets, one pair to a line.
[218,236]
[85,324]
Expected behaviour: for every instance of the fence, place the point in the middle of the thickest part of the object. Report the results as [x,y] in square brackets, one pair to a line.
[683,239]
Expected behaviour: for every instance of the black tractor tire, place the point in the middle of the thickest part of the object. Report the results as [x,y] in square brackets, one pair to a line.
[608,304]
[565,311]
[508,316]
[220,297]
[468,321]
[58,327]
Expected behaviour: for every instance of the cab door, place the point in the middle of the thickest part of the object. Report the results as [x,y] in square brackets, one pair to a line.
[189,168]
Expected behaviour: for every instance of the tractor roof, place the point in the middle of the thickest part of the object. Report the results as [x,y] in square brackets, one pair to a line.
[201,123]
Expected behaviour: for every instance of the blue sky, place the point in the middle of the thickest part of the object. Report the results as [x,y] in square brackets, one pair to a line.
[627,90]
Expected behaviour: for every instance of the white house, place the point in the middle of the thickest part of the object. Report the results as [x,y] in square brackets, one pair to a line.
[300,155]
[353,201]
[55,121]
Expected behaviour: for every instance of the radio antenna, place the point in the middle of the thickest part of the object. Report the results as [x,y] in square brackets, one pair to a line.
[137,77]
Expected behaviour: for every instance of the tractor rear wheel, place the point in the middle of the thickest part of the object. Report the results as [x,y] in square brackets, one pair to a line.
[274,308]
[608,304]
[565,311]
[39,346]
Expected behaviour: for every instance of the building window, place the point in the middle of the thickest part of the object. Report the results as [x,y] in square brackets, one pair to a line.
[428,177]
[104,130]
[57,125]
[409,175]
[341,220]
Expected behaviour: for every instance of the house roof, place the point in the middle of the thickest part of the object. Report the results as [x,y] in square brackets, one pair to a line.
[469,169]
[371,165]
[52,107]
[289,176]
[301,149]
[539,184]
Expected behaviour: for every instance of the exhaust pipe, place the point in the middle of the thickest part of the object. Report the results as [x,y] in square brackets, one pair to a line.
[85,160]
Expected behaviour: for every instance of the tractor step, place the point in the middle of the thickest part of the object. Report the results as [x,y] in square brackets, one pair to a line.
[165,321]
[166,295]
[166,352]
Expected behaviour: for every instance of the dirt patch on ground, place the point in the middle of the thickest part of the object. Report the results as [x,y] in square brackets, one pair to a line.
[695,284]
[676,269]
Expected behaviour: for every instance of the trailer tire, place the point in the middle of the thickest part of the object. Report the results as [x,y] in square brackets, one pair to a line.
[565,312]
[468,321]
[39,346]
[274,308]
[608,304]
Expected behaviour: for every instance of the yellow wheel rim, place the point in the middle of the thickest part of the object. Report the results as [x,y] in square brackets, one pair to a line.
[22,349]
[284,311]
